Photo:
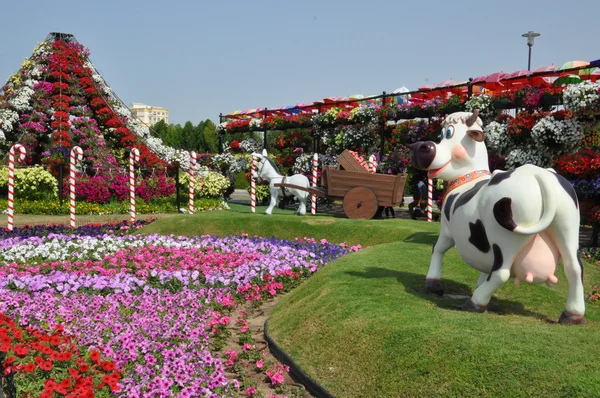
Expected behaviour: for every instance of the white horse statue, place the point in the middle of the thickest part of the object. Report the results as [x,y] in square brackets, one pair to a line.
[267,170]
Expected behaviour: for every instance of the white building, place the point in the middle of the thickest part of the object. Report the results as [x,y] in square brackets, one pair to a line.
[149,114]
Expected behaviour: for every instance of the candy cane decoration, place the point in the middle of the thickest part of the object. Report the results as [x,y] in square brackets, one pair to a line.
[76,157]
[253,186]
[370,164]
[194,158]
[375,164]
[429,200]
[11,179]
[134,156]
[313,208]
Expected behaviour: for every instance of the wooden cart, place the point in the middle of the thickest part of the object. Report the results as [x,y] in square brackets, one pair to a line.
[362,192]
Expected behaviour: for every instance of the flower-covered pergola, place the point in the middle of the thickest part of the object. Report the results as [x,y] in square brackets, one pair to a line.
[426,102]
[549,117]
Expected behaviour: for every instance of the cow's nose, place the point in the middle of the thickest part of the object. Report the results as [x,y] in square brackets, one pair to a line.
[423,154]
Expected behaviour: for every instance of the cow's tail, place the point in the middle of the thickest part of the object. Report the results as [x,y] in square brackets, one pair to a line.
[547,184]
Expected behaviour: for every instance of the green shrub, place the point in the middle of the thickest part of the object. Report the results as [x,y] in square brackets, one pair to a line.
[162,205]
[211,186]
[30,183]
[240,181]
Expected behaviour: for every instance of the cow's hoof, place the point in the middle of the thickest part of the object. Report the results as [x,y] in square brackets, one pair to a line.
[470,306]
[571,319]
[434,286]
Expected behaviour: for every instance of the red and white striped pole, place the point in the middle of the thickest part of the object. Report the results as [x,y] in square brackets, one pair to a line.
[375,164]
[370,164]
[429,200]
[11,179]
[76,157]
[193,160]
[253,186]
[313,206]
[134,156]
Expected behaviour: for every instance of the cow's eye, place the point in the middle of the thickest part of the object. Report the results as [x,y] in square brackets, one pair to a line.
[449,132]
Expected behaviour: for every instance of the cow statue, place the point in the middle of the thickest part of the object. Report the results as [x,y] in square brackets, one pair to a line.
[507,223]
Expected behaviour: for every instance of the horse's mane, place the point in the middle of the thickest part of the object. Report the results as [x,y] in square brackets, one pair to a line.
[273,165]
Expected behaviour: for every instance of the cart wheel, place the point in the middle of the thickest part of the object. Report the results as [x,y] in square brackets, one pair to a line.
[360,202]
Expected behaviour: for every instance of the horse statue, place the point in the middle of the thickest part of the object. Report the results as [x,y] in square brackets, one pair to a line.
[268,171]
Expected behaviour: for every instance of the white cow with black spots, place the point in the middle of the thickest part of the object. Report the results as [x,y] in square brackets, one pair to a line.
[517,223]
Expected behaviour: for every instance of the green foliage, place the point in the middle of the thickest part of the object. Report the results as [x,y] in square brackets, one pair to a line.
[211,186]
[262,192]
[201,138]
[211,140]
[30,183]
[240,181]
[163,205]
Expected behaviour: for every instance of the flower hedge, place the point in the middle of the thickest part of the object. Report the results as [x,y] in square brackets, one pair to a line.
[154,309]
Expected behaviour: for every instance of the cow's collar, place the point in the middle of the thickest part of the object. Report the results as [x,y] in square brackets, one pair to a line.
[465,179]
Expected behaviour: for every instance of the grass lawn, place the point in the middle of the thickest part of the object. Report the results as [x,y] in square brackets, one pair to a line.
[363,326]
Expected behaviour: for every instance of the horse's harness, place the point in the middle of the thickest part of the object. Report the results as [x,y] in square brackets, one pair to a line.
[283,190]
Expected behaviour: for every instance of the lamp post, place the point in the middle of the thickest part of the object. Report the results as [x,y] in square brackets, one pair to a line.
[531,35]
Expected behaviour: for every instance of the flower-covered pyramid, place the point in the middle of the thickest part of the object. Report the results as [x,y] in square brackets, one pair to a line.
[58,100]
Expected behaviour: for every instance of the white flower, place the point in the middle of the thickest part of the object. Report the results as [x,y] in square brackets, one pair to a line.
[250,145]
[255,124]
[559,137]
[8,118]
[482,102]
[582,96]
[22,97]
[496,136]
[527,155]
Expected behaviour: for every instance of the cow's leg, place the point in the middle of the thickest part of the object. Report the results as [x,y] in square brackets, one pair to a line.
[482,278]
[433,282]
[566,237]
[499,275]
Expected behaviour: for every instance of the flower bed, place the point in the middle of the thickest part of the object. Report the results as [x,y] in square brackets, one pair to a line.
[156,306]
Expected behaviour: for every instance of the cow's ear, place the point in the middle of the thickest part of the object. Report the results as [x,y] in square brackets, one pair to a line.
[477,135]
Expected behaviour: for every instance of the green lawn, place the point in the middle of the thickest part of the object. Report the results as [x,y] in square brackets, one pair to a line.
[363,326]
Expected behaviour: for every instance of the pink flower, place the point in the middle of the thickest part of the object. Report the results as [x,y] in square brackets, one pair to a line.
[225,320]
[250,391]
[246,347]
[260,363]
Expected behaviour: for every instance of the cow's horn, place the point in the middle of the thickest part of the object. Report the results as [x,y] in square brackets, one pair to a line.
[473,118]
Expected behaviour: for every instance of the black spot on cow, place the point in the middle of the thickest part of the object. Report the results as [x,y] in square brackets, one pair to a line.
[503,214]
[498,259]
[478,236]
[448,205]
[468,195]
[499,177]
[566,185]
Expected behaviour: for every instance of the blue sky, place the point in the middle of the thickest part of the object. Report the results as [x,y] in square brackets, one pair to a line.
[200,58]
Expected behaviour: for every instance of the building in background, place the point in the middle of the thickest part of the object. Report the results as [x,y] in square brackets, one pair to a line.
[148,114]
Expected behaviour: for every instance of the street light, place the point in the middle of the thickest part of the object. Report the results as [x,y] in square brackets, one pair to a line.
[531,35]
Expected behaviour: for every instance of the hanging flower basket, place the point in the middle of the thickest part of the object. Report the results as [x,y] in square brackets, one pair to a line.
[503,103]
[549,100]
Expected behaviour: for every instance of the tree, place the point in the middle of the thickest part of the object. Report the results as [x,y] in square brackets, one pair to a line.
[160,128]
[211,141]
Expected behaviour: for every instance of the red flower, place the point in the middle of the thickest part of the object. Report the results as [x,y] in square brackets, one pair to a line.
[108,366]
[95,356]
[21,350]
[114,123]
[30,367]
[46,365]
